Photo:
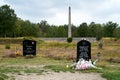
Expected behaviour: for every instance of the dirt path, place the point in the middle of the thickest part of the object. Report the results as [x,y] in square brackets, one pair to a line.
[59,76]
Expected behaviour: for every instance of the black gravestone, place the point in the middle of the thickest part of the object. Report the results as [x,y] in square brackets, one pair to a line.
[83,50]
[29,47]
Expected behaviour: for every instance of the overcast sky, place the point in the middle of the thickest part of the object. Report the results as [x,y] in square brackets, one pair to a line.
[56,11]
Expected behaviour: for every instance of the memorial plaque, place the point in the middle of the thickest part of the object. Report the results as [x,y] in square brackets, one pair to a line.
[83,50]
[29,47]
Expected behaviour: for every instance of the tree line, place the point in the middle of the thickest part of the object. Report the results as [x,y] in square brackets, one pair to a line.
[12,26]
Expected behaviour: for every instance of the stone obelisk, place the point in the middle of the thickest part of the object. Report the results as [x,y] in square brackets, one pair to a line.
[69,23]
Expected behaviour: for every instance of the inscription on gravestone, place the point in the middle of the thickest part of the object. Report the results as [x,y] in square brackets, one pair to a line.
[83,50]
[29,47]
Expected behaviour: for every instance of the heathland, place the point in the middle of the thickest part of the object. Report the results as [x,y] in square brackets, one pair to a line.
[55,56]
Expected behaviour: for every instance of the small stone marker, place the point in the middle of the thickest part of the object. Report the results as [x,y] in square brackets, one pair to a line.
[83,50]
[100,45]
[29,47]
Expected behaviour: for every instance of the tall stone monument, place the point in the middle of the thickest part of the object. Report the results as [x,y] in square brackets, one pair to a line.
[69,23]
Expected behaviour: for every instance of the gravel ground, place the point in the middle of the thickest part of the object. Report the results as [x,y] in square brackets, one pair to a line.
[59,76]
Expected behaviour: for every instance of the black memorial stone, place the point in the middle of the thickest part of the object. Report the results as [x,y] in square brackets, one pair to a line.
[29,47]
[83,50]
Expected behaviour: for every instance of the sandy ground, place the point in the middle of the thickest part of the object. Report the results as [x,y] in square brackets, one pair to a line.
[59,76]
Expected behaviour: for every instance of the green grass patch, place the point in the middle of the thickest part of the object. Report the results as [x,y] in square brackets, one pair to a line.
[3,76]
[19,70]
[33,70]
[58,68]
[111,72]
[10,69]
[111,75]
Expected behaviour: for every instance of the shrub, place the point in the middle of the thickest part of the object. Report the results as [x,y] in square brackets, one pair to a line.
[69,39]
[100,45]
[7,46]
[98,38]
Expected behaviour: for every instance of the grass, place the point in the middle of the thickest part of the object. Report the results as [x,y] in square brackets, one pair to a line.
[58,68]
[3,76]
[112,72]
[56,55]
[111,75]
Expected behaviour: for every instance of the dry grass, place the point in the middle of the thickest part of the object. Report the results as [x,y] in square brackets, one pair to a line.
[68,51]
[57,55]
[110,50]
[60,53]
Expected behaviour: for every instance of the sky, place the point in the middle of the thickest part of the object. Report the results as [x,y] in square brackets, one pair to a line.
[55,12]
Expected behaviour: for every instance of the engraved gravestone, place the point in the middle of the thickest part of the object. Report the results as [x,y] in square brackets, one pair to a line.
[29,47]
[83,50]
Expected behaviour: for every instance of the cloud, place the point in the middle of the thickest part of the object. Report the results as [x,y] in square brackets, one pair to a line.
[30,9]
[56,11]
[2,2]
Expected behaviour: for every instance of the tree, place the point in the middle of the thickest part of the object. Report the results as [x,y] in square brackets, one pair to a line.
[99,32]
[74,31]
[29,29]
[117,33]
[95,30]
[92,29]
[52,31]
[83,30]
[61,32]
[7,20]
[43,25]
[109,29]
[18,23]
